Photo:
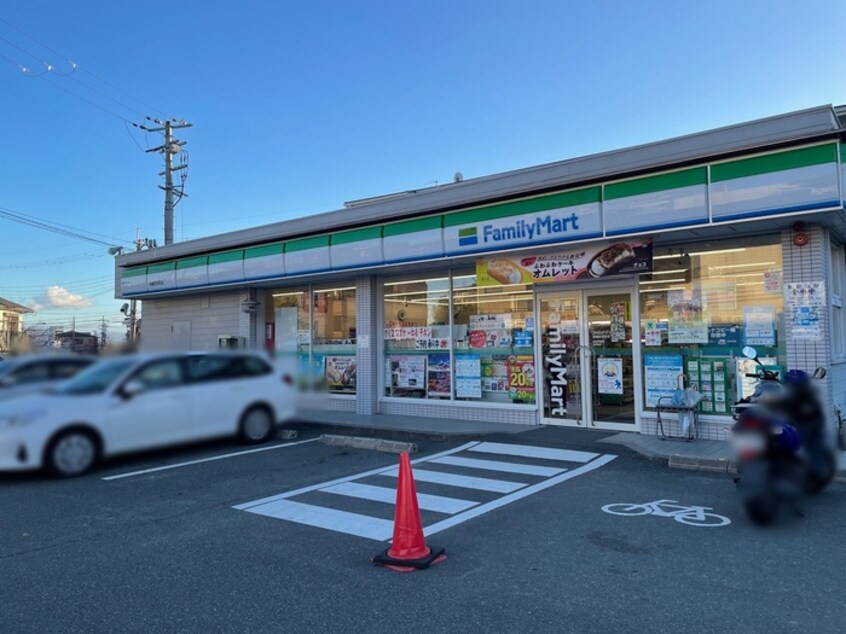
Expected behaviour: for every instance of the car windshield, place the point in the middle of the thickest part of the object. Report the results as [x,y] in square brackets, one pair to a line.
[96,378]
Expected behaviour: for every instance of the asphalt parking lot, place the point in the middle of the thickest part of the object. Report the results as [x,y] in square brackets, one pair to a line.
[136,547]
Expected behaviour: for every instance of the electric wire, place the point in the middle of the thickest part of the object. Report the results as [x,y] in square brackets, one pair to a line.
[82,68]
[66,230]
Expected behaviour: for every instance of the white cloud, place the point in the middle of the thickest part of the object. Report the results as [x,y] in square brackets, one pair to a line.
[59,297]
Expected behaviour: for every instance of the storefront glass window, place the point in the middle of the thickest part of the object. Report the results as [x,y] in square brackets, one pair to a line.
[417,341]
[493,339]
[699,307]
[290,321]
[318,327]
[333,339]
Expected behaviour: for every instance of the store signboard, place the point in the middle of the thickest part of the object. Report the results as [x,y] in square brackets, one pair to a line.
[563,224]
[585,263]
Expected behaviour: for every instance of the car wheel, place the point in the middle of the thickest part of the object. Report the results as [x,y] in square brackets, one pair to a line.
[72,453]
[256,425]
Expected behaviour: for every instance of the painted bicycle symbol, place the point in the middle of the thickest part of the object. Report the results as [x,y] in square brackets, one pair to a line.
[690,515]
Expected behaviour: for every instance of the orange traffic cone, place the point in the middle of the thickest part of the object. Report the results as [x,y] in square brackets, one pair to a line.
[408,549]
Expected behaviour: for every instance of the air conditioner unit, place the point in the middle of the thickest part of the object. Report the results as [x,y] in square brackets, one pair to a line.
[228,342]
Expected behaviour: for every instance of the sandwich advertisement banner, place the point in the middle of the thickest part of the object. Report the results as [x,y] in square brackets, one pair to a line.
[595,261]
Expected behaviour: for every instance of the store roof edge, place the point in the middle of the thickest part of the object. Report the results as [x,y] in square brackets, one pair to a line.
[791,127]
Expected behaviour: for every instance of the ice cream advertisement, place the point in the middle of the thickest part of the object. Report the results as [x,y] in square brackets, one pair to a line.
[588,262]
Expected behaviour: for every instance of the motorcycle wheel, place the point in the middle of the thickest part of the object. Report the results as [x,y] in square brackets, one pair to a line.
[818,478]
[762,510]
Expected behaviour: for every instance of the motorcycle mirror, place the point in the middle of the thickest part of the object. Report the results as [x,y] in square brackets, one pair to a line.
[819,373]
[749,352]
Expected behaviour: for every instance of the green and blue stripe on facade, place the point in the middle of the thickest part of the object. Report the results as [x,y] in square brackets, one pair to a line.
[782,182]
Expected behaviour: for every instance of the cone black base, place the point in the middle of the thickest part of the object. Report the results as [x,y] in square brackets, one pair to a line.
[383,559]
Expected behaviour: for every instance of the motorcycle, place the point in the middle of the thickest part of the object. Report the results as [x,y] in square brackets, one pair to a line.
[779,438]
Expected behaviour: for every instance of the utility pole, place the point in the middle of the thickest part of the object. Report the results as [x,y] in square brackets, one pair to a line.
[170,148]
[103,331]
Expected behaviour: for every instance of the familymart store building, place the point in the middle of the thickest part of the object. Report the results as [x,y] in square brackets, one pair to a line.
[576,293]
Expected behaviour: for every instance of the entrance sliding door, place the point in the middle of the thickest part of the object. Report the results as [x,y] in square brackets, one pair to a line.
[561,358]
[588,358]
[612,376]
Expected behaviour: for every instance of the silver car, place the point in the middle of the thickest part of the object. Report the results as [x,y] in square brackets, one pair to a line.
[26,375]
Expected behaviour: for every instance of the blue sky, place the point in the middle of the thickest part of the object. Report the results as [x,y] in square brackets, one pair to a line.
[300,106]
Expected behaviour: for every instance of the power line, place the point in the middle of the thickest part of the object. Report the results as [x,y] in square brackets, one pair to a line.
[76,66]
[66,230]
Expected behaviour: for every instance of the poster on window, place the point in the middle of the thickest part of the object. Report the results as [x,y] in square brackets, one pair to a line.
[408,371]
[652,333]
[687,322]
[618,321]
[589,262]
[661,375]
[609,371]
[521,378]
[340,374]
[438,376]
[491,322]
[468,376]
[759,325]
[490,339]
[803,303]
[494,373]
[772,282]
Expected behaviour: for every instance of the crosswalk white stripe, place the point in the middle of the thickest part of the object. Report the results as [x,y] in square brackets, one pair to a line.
[528,451]
[497,465]
[425,501]
[314,487]
[332,519]
[466,482]
[513,497]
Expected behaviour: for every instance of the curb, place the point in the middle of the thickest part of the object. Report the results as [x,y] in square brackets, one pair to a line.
[376,444]
[392,434]
[713,465]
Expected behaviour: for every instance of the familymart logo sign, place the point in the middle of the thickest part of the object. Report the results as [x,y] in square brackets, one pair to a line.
[547,227]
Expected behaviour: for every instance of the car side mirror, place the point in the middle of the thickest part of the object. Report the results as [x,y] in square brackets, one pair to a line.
[131,389]
[819,373]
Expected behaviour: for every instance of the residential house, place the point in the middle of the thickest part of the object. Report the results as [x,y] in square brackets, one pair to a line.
[11,325]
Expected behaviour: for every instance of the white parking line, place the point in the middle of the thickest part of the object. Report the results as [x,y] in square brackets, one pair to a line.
[201,460]
[332,519]
[425,501]
[319,512]
[455,480]
[527,451]
[496,465]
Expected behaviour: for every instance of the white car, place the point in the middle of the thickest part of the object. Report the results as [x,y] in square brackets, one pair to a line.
[30,374]
[127,404]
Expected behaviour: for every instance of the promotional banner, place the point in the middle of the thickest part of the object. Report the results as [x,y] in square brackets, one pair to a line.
[587,262]
[521,378]
[340,374]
